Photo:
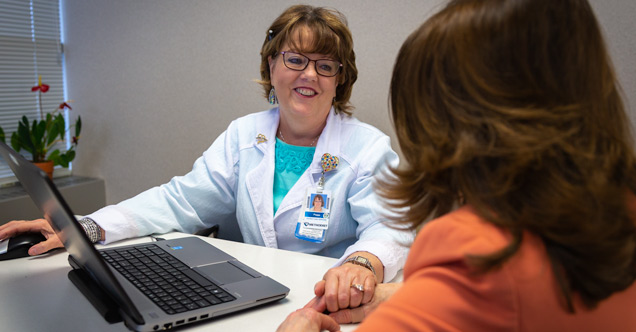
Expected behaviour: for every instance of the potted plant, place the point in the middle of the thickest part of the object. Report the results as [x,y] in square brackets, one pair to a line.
[40,136]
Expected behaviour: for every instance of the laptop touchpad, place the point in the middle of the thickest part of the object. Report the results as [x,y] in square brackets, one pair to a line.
[223,273]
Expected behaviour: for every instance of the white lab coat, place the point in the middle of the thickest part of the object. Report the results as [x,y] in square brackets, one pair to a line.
[232,184]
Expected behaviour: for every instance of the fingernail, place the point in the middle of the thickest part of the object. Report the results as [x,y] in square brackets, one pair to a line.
[33,251]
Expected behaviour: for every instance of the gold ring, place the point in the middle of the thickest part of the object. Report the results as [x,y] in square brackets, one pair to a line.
[358,287]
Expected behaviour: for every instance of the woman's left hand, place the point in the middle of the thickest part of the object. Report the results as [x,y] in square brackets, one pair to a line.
[308,320]
[346,286]
[356,315]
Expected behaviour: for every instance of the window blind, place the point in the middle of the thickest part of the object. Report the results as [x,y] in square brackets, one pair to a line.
[30,46]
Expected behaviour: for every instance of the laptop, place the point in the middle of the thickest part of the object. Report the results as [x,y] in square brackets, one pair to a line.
[206,282]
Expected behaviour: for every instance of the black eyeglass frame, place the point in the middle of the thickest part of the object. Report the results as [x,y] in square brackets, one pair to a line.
[310,60]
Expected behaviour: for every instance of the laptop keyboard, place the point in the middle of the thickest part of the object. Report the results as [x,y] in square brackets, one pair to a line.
[169,283]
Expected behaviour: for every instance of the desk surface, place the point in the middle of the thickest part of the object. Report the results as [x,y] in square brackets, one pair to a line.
[38,296]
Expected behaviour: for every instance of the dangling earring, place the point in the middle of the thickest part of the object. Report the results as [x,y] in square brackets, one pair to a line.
[273,100]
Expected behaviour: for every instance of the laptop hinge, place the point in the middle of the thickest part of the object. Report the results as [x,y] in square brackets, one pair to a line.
[100,300]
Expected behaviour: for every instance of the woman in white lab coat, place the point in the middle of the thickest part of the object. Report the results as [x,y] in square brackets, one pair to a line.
[260,173]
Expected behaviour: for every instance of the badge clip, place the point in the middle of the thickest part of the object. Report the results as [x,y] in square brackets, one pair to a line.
[328,163]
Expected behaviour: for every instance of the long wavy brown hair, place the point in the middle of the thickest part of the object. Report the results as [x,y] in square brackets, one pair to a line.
[331,36]
[513,107]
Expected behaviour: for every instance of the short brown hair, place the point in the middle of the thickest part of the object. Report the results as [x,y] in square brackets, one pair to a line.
[513,107]
[331,37]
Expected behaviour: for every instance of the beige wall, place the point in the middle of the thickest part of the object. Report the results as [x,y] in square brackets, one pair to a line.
[156,81]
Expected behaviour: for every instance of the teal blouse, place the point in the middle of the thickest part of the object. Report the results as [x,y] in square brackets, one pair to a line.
[291,163]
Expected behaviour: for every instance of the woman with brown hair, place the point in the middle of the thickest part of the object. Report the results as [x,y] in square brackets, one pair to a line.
[516,142]
[257,174]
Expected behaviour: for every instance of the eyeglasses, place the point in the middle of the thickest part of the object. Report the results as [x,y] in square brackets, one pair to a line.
[298,62]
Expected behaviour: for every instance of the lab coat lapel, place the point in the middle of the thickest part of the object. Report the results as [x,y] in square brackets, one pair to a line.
[260,182]
[329,142]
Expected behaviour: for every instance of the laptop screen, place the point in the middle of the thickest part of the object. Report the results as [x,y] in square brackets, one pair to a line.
[48,199]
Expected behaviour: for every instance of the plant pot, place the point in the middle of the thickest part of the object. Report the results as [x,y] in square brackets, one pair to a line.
[47,167]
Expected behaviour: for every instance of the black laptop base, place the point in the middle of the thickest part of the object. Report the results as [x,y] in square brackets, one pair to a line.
[101,301]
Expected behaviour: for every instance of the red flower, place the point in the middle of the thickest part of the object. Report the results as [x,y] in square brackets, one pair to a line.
[64,104]
[75,139]
[42,87]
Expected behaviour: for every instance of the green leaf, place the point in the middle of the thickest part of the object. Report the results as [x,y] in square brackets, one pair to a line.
[38,134]
[24,136]
[61,125]
[34,142]
[25,121]
[55,157]
[66,158]
[49,121]
[49,124]
[2,135]
[52,135]
[53,131]
[62,159]
[15,142]
[78,126]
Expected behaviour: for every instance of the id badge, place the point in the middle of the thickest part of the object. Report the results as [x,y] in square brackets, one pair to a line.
[313,221]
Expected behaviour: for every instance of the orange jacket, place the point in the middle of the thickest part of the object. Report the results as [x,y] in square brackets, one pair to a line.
[439,293]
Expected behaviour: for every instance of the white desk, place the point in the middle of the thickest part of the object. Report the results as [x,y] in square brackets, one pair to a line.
[36,294]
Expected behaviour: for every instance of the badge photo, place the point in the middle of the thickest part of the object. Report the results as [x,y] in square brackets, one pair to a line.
[313,221]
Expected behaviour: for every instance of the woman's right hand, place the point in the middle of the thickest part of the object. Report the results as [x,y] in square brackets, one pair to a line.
[308,320]
[42,226]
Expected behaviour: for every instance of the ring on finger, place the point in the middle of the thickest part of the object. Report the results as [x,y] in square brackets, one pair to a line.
[359,287]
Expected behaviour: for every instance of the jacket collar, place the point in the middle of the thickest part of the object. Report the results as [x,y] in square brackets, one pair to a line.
[329,141]
[267,127]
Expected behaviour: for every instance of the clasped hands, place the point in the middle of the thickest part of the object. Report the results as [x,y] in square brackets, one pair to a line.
[347,294]
[311,318]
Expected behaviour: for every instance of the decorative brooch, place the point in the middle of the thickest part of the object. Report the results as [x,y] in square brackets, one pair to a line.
[328,163]
[261,139]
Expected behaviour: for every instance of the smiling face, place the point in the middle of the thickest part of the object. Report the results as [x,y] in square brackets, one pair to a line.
[302,94]
[318,201]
